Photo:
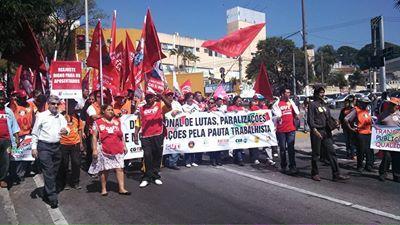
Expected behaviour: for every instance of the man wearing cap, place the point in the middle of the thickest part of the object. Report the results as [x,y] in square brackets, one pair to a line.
[46,134]
[25,115]
[321,135]
[361,117]
[390,117]
[8,137]
[151,119]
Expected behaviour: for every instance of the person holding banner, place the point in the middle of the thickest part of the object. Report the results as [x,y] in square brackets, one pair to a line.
[361,117]
[190,106]
[390,116]
[215,156]
[46,133]
[236,107]
[151,119]
[321,135]
[286,112]
[108,149]
[25,115]
[8,137]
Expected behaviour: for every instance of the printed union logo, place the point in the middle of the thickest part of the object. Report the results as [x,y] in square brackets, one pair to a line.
[223,141]
[241,140]
[256,139]
[191,144]
[173,146]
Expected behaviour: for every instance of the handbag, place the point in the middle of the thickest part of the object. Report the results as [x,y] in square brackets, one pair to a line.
[331,122]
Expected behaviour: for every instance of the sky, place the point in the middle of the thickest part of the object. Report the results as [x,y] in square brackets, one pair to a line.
[335,22]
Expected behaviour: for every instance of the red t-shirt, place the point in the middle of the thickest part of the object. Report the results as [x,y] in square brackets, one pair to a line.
[110,135]
[254,108]
[151,119]
[263,106]
[287,119]
[4,133]
[235,108]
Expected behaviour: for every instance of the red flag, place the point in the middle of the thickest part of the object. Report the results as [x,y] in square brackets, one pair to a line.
[17,78]
[148,51]
[85,81]
[262,85]
[31,54]
[128,79]
[113,34]
[110,74]
[235,43]
[186,87]
[118,59]
[95,79]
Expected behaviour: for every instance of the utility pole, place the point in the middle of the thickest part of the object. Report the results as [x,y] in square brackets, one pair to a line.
[294,74]
[240,70]
[382,75]
[322,68]
[305,47]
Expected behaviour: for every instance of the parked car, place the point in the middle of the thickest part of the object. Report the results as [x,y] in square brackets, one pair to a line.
[339,102]
[395,94]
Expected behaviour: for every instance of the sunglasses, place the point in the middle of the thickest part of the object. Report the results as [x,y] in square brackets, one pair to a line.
[53,103]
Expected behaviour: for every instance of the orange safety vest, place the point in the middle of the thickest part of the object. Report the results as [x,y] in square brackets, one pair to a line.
[364,125]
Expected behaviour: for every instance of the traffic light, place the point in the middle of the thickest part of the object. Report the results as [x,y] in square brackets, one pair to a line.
[80,42]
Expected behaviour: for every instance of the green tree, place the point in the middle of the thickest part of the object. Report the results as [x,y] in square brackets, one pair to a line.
[277,54]
[347,55]
[62,25]
[356,79]
[365,53]
[336,79]
[325,57]
[13,13]
[178,52]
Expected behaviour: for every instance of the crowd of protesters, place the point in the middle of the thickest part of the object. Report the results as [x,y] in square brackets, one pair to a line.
[66,131]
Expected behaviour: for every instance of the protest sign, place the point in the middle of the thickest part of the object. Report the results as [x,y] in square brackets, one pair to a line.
[128,130]
[66,79]
[385,138]
[215,131]
[24,152]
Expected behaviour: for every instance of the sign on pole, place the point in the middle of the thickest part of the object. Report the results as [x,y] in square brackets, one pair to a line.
[66,79]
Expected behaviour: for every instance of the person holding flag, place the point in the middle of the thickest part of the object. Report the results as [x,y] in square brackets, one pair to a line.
[151,119]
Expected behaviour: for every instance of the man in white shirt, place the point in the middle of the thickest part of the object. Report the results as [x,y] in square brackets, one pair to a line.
[46,134]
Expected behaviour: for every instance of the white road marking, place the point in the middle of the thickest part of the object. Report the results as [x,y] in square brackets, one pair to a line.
[8,206]
[310,193]
[56,215]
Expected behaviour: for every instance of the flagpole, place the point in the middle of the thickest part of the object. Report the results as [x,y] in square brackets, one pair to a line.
[101,66]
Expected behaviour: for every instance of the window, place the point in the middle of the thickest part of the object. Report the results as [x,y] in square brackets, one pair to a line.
[210,53]
[197,49]
[205,50]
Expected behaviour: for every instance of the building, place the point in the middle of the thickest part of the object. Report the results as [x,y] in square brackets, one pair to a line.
[208,62]
[393,73]
[347,70]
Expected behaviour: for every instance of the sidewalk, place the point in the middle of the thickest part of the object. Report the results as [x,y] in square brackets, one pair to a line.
[7,211]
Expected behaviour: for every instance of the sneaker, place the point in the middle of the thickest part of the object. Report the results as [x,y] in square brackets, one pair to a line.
[256,162]
[143,184]
[67,187]
[340,178]
[188,165]
[174,167]
[158,181]
[76,187]
[316,178]
[270,162]
[195,164]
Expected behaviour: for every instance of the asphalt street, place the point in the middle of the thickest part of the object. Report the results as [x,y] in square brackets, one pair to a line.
[217,195]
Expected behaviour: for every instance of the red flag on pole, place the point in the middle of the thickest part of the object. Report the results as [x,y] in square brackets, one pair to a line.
[31,54]
[119,57]
[262,85]
[17,78]
[186,87]
[85,80]
[235,43]
[128,79]
[110,74]
[148,51]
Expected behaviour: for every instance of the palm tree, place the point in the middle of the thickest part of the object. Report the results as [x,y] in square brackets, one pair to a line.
[178,52]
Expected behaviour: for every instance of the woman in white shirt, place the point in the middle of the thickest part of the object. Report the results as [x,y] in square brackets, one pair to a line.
[190,107]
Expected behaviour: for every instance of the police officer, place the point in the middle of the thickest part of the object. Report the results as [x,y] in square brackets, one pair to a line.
[359,120]
[321,135]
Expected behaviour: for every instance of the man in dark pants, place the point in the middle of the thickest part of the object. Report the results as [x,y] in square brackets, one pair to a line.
[8,136]
[286,112]
[390,117]
[321,135]
[46,134]
[151,119]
